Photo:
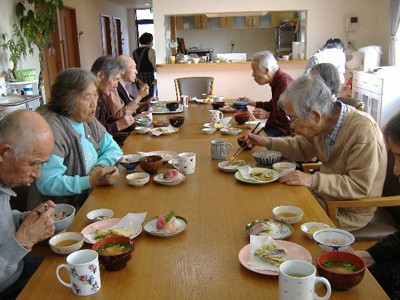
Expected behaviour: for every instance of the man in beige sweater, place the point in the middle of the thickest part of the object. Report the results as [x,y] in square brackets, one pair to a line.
[348,142]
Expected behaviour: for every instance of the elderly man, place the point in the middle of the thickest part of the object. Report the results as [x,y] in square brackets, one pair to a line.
[348,142]
[26,141]
[266,71]
[119,101]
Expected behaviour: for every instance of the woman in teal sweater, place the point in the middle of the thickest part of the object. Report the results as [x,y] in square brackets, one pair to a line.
[84,152]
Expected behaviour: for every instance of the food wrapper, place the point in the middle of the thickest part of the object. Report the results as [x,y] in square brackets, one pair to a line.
[131,221]
[256,242]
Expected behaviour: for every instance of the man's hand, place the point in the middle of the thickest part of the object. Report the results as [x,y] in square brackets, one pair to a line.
[297,178]
[37,226]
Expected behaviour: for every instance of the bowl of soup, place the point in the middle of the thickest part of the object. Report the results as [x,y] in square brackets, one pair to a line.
[333,239]
[66,242]
[114,252]
[288,213]
[343,270]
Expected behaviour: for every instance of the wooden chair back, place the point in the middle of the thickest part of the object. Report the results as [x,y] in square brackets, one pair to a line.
[193,86]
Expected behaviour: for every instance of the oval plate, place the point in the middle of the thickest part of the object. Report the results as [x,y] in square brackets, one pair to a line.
[105,224]
[215,125]
[279,230]
[232,168]
[275,175]
[163,130]
[150,227]
[231,130]
[159,179]
[294,250]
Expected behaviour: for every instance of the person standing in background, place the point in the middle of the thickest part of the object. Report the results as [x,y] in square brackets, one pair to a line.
[145,58]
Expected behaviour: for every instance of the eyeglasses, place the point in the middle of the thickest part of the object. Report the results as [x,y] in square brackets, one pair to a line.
[290,119]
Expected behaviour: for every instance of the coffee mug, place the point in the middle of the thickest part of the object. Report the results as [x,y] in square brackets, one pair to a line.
[215,115]
[84,272]
[220,148]
[186,162]
[184,100]
[297,280]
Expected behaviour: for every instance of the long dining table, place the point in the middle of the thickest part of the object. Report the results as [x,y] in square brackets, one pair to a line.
[202,261]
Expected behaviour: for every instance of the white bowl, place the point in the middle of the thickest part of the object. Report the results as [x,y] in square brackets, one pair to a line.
[196,59]
[67,238]
[310,227]
[100,214]
[252,124]
[64,223]
[288,213]
[142,129]
[333,239]
[138,179]
[218,98]
[284,166]
[209,130]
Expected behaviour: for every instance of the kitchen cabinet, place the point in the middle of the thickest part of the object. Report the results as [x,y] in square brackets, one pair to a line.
[191,22]
[226,22]
[252,21]
[200,22]
[379,92]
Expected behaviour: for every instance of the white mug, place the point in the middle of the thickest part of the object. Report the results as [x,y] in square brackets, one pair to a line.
[84,272]
[184,100]
[297,280]
[220,148]
[215,115]
[186,162]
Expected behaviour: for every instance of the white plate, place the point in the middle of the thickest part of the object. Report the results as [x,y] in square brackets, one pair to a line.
[279,230]
[294,250]
[150,227]
[159,179]
[164,110]
[105,224]
[163,130]
[231,130]
[166,155]
[275,175]
[228,168]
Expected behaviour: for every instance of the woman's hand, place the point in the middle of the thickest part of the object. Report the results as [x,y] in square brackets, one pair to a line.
[37,226]
[144,90]
[369,260]
[260,113]
[297,178]
[103,176]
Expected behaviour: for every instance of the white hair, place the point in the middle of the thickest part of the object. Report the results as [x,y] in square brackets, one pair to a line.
[265,60]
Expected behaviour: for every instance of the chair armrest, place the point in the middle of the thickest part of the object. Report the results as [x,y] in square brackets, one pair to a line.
[333,205]
[311,166]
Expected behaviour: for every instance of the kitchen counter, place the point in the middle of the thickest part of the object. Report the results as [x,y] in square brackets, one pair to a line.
[231,80]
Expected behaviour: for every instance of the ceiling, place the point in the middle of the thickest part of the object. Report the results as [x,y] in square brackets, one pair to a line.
[132,3]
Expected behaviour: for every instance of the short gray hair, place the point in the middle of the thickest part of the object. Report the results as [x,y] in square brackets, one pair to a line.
[306,94]
[66,89]
[17,131]
[108,65]
[329,74]
[265,60]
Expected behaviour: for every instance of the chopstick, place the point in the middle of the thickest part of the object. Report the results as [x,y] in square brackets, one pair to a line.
[244,145]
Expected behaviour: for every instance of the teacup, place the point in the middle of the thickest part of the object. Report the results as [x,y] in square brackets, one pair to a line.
[215,115]
[185,162]
[84,272]
[297,280]
[220,149]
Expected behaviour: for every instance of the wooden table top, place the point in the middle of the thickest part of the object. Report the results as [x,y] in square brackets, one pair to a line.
[201,262]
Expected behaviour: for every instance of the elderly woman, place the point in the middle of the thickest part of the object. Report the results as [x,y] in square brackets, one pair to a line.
[329,74]
[348,142]
[108,72]
[84,153]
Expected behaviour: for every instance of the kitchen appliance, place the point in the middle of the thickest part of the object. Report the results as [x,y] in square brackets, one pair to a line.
[206,53]
[12,103]
[284,37]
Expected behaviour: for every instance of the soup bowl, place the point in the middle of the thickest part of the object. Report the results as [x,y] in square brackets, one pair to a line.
[63,216]
[241,118]
[130,161]
[172,106]
[217,105]
[151,164]
[66,242]
[240,105]
[343,270]
[177,121]
[288,213]
[114,252]
[333,239]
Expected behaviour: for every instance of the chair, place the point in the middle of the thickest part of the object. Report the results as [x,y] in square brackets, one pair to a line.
[352,102]
[193,86]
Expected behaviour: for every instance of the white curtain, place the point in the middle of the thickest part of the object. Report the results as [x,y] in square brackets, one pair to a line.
[394,27]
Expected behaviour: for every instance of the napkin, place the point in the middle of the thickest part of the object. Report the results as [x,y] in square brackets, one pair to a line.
[256,242]
[245,171]
[130,221]
[225,121]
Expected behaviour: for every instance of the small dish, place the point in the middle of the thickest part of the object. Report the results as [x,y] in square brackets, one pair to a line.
[161,180]
[270,172]
[100,214]
[231,166]
[231,130]
[209,130]
[288,213]
[284,166]
[215,125]
[227,109]
[138,179]
[163,130]
[277,229]
[310,227]
[150,227]
[142,129]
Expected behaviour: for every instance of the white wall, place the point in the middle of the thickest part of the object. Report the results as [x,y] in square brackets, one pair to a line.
[325,19]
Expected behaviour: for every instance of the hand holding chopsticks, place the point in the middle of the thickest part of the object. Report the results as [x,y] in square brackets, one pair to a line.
[244,145]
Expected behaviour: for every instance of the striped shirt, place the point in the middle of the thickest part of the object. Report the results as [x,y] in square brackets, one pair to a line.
[331,138]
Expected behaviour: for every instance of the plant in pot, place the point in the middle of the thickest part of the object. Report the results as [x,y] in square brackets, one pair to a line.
[16,46]
[37,19]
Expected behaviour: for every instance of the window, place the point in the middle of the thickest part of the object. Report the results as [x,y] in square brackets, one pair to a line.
[144,22]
